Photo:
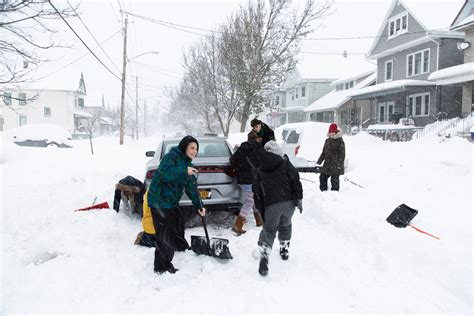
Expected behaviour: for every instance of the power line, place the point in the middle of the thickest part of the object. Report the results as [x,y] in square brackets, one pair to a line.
[77,35]
[175,24]
[88,30]
[167,24]
[79,58]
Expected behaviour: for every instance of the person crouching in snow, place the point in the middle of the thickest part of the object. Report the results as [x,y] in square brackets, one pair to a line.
[245,161]
[333,155]
[147,237]
[175,174]
[277,191]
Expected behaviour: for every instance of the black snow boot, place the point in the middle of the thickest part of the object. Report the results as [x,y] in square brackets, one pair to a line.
[263,266]
[284,249]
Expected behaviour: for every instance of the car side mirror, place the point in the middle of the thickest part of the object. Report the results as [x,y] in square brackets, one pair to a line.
[150,153]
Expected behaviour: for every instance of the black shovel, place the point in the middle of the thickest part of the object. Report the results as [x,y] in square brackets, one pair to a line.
[214,247]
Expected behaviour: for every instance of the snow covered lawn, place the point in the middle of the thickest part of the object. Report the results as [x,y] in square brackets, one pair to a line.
[344,256]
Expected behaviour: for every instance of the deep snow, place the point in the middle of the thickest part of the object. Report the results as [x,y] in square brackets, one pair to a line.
[344,256]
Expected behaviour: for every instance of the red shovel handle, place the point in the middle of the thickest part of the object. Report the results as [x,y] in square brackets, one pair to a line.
[421,231]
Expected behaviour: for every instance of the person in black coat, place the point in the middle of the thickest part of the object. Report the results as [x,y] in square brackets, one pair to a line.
[277,191]
[246,161]
[264,132]
[333,155]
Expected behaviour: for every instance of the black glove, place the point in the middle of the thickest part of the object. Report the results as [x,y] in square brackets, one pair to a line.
[299,206]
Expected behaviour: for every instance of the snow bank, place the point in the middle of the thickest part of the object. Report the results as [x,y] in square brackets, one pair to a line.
[344,257]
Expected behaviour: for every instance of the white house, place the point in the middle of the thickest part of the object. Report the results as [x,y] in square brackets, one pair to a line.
[63,106]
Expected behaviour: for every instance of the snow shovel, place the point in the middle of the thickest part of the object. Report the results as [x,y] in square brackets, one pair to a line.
[95,206]
[402,216]
[214,247]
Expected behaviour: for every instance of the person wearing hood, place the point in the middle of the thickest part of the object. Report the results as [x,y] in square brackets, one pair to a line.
[333,155]
[263,131]
[175,174]
[277,191]
[246,161]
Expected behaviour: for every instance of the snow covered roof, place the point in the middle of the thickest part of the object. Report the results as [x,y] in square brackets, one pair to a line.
[83,114]
[455,74]
[464,15]
[335,99]
[468,21]
[350,77]
[332,100]
[397,84]
[58,81]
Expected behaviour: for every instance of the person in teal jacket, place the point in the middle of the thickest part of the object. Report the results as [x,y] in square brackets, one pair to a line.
[175,174]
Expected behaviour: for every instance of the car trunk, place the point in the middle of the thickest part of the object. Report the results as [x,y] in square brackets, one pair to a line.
[217,172]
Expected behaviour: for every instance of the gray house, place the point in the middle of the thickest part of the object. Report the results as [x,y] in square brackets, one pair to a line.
[462,75]
[408,48]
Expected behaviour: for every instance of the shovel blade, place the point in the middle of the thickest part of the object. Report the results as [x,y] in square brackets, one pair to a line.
[218,247]
[199,245]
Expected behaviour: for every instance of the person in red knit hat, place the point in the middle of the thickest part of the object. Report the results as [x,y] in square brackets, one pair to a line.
[333,155]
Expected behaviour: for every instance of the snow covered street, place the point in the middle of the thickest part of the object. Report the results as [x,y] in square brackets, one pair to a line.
[344,256]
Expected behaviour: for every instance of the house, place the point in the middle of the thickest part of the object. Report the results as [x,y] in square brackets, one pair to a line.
[100,123]
[461,75]
[337,106]
[300,89]
[413,41]
[63,106]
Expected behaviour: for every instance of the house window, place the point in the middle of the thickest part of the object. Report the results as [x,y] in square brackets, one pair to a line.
[80,102]
[303,91]
[22,120]
[47,111]
[388,70]
[351,84]
[397,25]
[296,93]
[347,86]
[277,100]
[418,63]
[7,98]
[418,104]
[22,98]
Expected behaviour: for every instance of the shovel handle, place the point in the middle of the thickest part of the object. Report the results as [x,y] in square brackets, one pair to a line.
[205,230]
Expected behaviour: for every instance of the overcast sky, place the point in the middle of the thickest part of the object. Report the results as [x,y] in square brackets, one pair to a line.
[156,72]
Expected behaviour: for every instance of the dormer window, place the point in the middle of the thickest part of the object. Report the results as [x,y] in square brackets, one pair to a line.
[397,25]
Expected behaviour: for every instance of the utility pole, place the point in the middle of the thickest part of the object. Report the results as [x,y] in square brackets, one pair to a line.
[136,107]
[144,118]
[124,69]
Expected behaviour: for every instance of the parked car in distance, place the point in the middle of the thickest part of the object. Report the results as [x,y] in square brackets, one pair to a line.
[40,135]
[217,182]
[303,143]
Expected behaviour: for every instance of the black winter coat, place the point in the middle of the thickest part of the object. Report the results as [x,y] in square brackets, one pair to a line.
[333,155]
[277,181]
[266,134]
[246,161]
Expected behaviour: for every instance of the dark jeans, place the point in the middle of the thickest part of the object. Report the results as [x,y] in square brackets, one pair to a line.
[169,227]
[323,182]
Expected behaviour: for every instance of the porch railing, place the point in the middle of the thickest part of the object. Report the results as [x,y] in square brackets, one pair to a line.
[435,127]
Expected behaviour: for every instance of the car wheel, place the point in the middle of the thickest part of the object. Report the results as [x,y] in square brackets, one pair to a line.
[52,145]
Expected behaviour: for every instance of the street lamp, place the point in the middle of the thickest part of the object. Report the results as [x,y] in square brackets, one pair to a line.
[122,105]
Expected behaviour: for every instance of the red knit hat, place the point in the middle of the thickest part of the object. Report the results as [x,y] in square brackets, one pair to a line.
[333,128]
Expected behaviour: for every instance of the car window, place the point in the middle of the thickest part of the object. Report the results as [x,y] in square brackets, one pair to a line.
[284,133]
[293,137]
[207,148]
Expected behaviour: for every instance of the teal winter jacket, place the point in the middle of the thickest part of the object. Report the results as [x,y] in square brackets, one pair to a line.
[170,180]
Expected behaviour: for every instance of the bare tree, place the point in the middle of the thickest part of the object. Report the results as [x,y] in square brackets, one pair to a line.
[23,26]
[259,43]
[92,125]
